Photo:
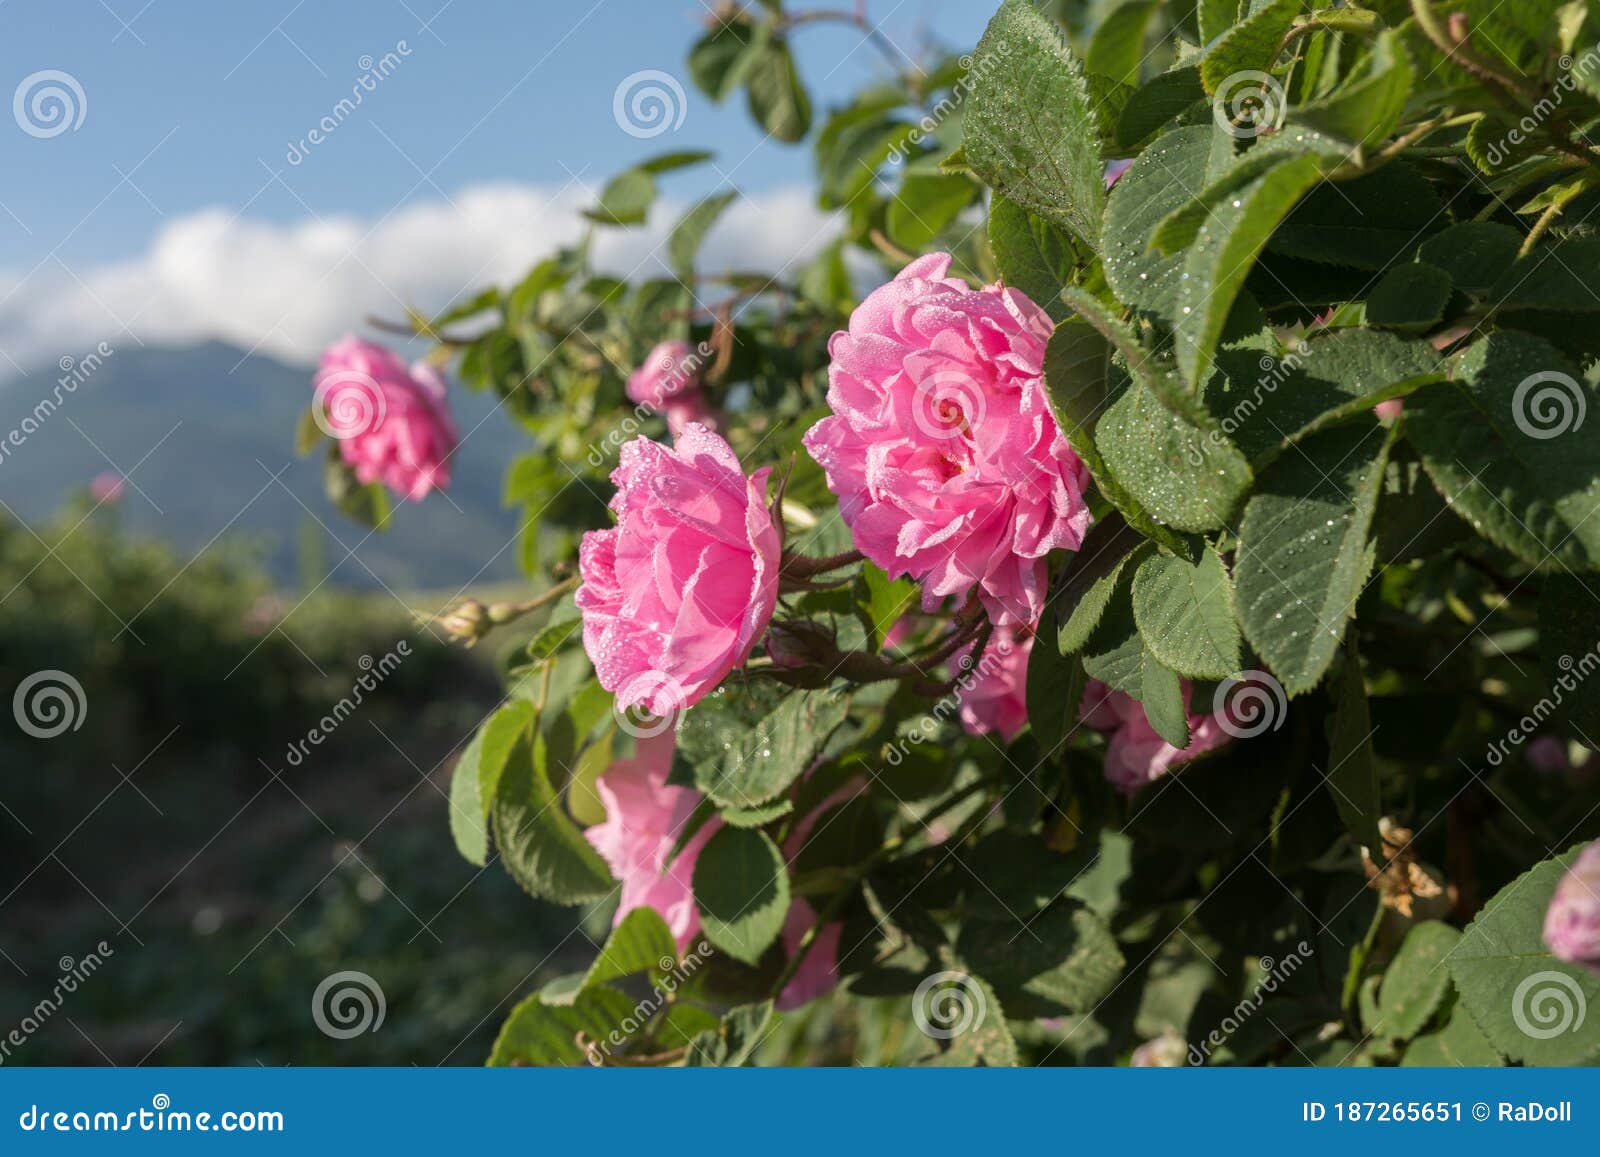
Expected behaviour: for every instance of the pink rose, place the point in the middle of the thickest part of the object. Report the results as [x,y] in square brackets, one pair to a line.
[107,487]
[678,592]
[818,973]
[1572,922]
[644,817]
[668,382]
[391,422]
[941,448]
[1136,755]
[1115,169]
[994,694]
[1390,410]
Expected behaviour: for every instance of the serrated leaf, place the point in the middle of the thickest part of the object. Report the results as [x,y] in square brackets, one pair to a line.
[1157,104]
[541,847]
[1032,254]
[1185,477]
[1532,1007]
[640,942]
[1249,46]
[747,750]
[541,1033]
[1305,551]
[1185,614]
[1160,181]
[1092,579]
[1070,960]
[1415,982]
[1536,496]
[1409,297]
[1367,106]
[741,886]
[734,1040]
[1217,264]
[1475,255]
[1116,655]
[776,95]
[1563,277]
[1030,128]
[1372,222]
[1458,1045]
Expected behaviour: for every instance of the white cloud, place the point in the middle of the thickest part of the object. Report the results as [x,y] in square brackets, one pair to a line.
[289,289]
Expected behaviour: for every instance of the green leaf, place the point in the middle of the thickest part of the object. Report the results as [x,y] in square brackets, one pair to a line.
[1305,551]
[1090,584]
[468,808]
[777,97]
[1249,46]
[683,244]
[1459,1044]
[1116,49]
[1475,255]
[1409,297]
[642,942]
[882,602]
[368,504]
[1054,686]
[1218,262]
[1161,180]
[541,847]
[747,749]
[1532,1007]
[1157,104]
[1564,277]
[1032,255]
[924,206]
[735,1039]
[541,1033]
[1188,478]
[307,433]
[1372,222]
[1270,401]
[741,886]
[1514,466]
[627,197]
[1185,615]
[1030,128]
[1415,982]
[1116,655]
[1352,768]
[1367,106]
[1066,957]
[720,60]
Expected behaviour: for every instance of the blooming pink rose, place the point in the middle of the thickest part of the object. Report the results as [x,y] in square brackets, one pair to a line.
[941,447]
[391,422]
[1572,922]
[1115,169]
[668,381]
[994,694]
[1136,755]
[644,817]
[678,592]
[107,487]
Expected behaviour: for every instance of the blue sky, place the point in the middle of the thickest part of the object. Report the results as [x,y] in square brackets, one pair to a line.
[188,102]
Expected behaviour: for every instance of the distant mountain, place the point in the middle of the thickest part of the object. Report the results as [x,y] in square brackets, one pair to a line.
[202,431]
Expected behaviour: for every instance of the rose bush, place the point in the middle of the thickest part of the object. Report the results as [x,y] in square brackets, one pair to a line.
[1165,586]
